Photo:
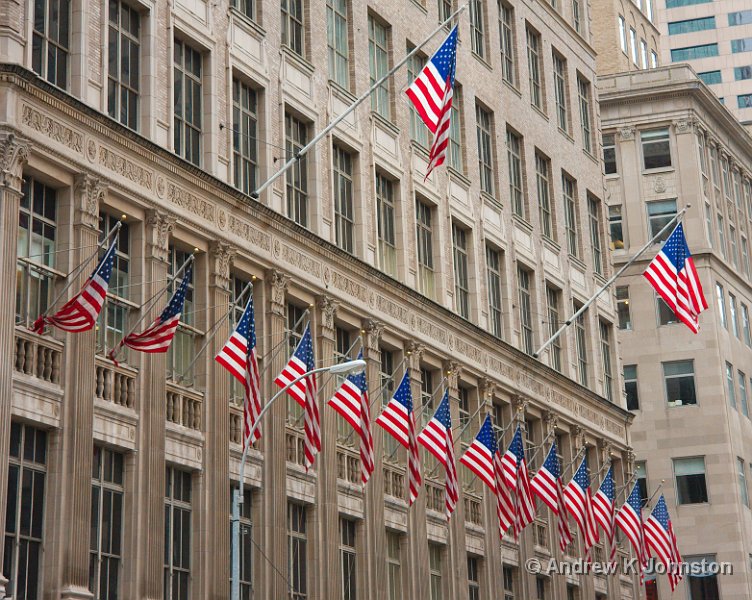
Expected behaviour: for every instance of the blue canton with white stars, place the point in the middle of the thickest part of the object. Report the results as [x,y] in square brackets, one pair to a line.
[635,498]
[247,324]
[676,249]
[404,394]
[487,437]
[442,412]
[607,485]
[582,476]
[445,58]
[304,351]
[359,379]
[105,265]
[551,464]
[660,512]
[516,446]
[175,306]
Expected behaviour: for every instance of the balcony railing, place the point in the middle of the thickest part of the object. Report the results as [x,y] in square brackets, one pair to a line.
[295,446]
[348,465]
[38,356]
[473,510]
[540,534]
[435,497]
[394,482]
[184,407]
[236,424]
[115,384]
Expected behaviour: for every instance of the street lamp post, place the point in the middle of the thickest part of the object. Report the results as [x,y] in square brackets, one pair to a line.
[351,366]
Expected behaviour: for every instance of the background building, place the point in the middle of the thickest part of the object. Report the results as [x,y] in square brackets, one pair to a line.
[668,143]
[167,115]
[716,39]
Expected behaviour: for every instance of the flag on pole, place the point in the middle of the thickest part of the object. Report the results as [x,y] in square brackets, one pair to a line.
[604,510]
[158,336]
[351,402]
[431,94]
[578,502]
[80,312]
[238,356]
[436,437]
[517,479]
[547,485]
[398,419]
[479,457]
[629,520]
[673,275]
[506,508]
[304,392]
[660,538]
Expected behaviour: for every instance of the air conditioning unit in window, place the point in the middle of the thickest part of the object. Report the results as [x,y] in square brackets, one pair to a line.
[675,403]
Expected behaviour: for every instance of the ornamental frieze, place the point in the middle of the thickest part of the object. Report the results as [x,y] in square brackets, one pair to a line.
[394,310]
[297,259]
[246,231]
[53,129]
[190,202]
[126,168]
[349,286]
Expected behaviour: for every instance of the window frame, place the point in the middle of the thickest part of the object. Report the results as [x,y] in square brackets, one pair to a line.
[343,168]
[535,67]
[178,505]
[245,143]
[119,34]
[296,180]
[681,499]
[379,63]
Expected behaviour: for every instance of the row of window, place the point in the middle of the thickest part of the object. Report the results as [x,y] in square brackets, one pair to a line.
[655,146]
[704,50]
[737,318]
[743,17]
[640,59]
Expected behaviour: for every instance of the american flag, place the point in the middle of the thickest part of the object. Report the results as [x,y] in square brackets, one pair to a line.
[304,392]
[578,502]
[480,454]
[436,437]
[238,356]
[431,94]
[505,504]
[548,487]
[659,537]
[351,402]
[80,312]
[673,275]
[158,336]
[398,420]
[517,478]
[604,507]
[629,520]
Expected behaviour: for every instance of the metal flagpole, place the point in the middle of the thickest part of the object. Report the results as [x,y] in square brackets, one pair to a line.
[550,434]
[658,489]
[298,155]
[581,452]
[606,285]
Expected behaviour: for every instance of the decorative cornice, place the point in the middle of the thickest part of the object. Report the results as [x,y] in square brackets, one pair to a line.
[14,154]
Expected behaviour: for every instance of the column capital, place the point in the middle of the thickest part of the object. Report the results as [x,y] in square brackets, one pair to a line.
[221,255]
[487,389]
[328,308]
[578,433]
[452,372]
[88,194]
[278,282]
[626,132]
[519,404]
[373,329]
[14,154]
[159,225]
[551,420]
[604,447]
[413,352]
[684,125]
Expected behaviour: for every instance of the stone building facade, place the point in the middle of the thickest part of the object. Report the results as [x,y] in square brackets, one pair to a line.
[670,144]
[166,116]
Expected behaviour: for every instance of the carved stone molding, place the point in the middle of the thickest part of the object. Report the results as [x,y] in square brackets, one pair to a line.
[413,352]
[159,225]
[487,389]
[551,421]
[630,460]
[627,132]
[373,331]
[452,371]
[659,185]
[683,125]
[519,405]
[604,448]
[88,193]
[221,255]
[278,282]
[328,308]
[578,435]
[14,154]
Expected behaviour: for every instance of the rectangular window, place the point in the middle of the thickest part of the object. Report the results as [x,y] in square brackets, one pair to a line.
[461,271]
[182,350]
[107,492]
[744,101]
[123,63]
[297,546]
[378,51]
[296,137]
[477,28]
[694,52]
[622,307]
[188,102]
[51,40]
[649,10]
[456,160]
[732,314]
[576,20]
[113,317]
[535,69]
[246,7]
[560,90]
[484,121]
[24,516]
[337,37]
[745,325]
[720,297]
[348,562]
[446,7]
[622,34]
[710,77]
[743,404]
[526,309]
[569,189]
[660,213]
[552,305]
[691,25]
[709,225]
[178,530]
[506,42]
[679,378]
[609,154]
[418,131]
[543,183]
[680,3]
[37,233]
[722,235]
[633,44]
[292,26]
[656,148]
[743,73]
[509,578]
[514,158]
[583,91]
[615,226]
[741,17]
[473,578]
[608,374]
[495,309]
[344,212]
[245,145]
[594,215]
[386,225]
[730,385]
[653,60]
[435,568]
[424,232]
[741,45]
[666,316]
[394,566]
[641,475]
[580,338]
[246,541]
[630,387]
[745,256]
[690,480]
[644,54]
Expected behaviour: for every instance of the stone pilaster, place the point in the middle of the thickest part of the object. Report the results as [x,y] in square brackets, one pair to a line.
[14,153]
[274,490]
[374,546]
[217,447]
[325,465]
[74,526]
[152,415]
